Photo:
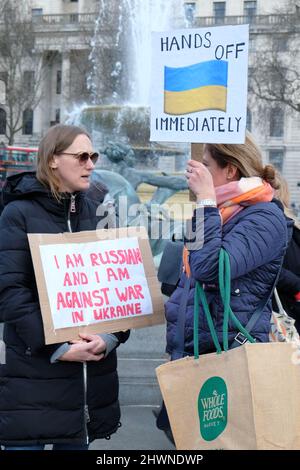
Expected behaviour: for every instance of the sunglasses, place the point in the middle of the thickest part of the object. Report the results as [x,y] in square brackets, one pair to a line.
[83,157]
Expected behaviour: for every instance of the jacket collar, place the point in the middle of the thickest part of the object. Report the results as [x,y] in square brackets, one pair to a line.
[26,186]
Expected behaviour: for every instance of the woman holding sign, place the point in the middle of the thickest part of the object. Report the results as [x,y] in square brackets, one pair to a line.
[62,394]
[235,212]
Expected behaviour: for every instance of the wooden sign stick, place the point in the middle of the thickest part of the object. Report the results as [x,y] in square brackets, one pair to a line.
[196,154]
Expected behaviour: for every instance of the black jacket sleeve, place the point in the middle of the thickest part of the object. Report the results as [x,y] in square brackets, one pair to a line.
[18,296]
[122,336]
[289,282]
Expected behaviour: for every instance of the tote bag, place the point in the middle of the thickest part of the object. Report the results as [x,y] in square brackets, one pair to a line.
[246,398]
[282,325]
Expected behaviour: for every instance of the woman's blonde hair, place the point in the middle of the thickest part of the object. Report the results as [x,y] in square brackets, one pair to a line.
[246,158]
[56,140]
[283,195]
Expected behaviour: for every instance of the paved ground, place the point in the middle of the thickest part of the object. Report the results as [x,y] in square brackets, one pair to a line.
[138,432]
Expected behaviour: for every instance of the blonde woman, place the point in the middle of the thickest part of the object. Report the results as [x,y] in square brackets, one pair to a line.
[234,192]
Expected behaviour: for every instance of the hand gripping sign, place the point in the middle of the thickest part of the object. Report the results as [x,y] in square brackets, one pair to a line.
[95,282]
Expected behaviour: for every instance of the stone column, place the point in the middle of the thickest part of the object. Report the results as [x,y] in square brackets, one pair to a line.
[65,84]
[41,111]
[2,93]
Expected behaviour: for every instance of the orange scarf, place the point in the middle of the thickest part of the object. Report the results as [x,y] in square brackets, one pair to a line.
[234,197]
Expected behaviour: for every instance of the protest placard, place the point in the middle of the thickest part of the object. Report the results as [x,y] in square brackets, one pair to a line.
[95,282]
[199,85]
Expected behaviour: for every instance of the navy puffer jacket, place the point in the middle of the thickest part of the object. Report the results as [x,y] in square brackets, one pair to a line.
[40,402]
[255,239]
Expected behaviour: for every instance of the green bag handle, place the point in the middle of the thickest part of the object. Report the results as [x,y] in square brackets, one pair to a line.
[225,287]
[200,295]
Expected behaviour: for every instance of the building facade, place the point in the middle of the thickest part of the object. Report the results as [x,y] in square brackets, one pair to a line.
[63,30]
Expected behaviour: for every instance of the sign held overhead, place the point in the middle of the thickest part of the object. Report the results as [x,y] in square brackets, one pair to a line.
[199,85]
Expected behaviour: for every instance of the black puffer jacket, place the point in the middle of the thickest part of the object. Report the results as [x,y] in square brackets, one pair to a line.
[42,402]
[289,281]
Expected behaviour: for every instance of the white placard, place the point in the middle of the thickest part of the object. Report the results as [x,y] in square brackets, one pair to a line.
[95,282]
[199,85]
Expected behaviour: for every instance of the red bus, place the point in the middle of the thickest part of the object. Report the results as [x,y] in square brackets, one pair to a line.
[16,159]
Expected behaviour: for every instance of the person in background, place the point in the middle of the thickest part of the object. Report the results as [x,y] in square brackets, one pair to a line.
[61,394]
[1,202]
[288,286]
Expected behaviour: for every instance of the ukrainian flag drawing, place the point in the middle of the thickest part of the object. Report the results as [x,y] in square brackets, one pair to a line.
[196,88]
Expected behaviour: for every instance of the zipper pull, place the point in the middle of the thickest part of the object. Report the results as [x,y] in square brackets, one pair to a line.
[72,204]
[87,414]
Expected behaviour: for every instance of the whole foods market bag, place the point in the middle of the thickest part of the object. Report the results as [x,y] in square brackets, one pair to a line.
[244,398]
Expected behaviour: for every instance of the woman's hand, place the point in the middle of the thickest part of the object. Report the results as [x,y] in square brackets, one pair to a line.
[88,348]
[200,180]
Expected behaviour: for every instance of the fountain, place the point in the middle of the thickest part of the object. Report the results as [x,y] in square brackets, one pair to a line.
[126,42]
[120,94]
[120,79]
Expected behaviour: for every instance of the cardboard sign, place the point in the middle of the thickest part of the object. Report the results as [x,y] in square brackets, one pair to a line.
[95,282]
[199,85]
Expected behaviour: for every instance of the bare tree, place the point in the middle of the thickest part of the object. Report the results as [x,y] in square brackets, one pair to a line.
[21,66]
[275,73]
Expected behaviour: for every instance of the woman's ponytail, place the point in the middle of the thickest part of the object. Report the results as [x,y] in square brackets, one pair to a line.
[269,174]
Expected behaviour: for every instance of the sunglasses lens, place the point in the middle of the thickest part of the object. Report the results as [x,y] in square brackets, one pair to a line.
[84,156]
[94,157]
